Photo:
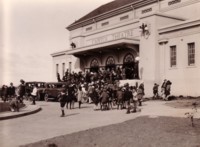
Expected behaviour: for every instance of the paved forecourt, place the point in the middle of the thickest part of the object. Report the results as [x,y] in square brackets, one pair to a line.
[48,123]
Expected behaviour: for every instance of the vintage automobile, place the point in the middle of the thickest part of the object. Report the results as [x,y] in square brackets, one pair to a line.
[53,89]
[40,89]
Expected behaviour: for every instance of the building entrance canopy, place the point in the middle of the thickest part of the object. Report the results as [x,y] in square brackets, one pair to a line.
[104,47]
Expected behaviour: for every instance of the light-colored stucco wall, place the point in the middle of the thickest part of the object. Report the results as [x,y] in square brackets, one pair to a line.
[154,61]
[188,9]
[185,79]
[60,59]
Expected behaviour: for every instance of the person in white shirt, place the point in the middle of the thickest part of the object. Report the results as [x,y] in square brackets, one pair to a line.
[34,94]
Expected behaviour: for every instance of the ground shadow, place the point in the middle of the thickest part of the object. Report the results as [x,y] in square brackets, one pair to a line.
[71,114]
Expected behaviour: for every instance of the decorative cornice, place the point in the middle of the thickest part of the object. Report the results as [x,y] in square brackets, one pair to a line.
[58,53]
[163,15]
[179,26]
[135,21]
[112,13]
[183,4]
[105,44]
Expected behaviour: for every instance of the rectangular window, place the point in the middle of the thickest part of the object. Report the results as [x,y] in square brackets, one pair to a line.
[173,56]
[174,2]
[146,10]
[124,17]
[191,54]
[88,29]
[57,68]
[63,69]
[105,23]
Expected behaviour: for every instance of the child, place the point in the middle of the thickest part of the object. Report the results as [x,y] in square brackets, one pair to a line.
[62,99]
[134,92]
[155,91]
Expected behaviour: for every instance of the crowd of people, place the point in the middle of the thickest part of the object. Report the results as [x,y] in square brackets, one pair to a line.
[100,88]
[15,95]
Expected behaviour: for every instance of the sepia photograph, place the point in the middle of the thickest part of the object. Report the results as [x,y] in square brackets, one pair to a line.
[100,73]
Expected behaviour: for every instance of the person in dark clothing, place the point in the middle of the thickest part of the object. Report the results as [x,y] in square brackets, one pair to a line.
[21,91]
[5,93]
[63,99]
[127,97]
[58,77]
[95,97]
[104,99]
[119,98]
[71,96]
[11,90]
[167,89]
[155,91]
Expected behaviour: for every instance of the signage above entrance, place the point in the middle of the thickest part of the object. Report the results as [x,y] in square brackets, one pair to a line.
[115,36]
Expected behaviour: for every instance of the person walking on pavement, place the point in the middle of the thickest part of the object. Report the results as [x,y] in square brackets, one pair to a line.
[127,97]
[21,91]
[140,93]
[79,96]
[34,94]
[63,99]
[134,93]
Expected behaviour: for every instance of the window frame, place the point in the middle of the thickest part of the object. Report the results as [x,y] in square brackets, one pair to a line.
[191,54]
[173,56]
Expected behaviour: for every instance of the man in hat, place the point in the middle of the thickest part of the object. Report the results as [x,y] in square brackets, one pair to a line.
[21,91]
[11,90]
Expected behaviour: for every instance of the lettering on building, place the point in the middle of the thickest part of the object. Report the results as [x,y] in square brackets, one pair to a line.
[111,37]
[146,10]
[174,2]
[99,40]
[124,34]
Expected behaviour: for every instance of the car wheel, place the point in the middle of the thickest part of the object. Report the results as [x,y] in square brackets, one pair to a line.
[46,97]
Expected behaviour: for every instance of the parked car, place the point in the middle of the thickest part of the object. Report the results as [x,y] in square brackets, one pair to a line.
[40,89]
[53,89]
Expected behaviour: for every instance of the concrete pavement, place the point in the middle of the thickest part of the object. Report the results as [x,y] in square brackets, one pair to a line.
[48,123]
[27,110]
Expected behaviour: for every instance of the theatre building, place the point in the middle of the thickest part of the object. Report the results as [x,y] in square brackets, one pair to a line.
[154,39]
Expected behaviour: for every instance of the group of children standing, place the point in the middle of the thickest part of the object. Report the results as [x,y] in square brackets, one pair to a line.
[105,97]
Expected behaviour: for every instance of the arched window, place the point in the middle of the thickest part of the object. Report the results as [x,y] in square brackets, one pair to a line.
[94,63]
[129,58]
[110,61]
[131,68]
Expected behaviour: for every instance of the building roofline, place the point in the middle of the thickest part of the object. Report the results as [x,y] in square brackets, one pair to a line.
[60,53]
[117,11]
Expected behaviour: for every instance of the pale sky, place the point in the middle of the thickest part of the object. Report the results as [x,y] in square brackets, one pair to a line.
[30,30]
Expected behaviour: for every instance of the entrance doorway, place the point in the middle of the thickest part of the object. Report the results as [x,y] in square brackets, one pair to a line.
[131,67]
[94,66]
[110,63]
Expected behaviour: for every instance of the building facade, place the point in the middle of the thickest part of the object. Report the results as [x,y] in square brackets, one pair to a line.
[157,39]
